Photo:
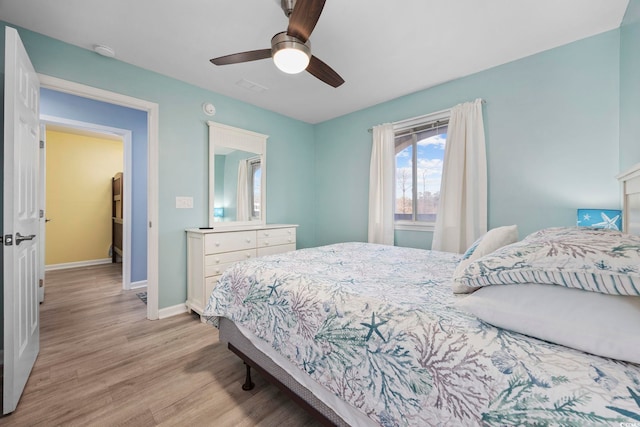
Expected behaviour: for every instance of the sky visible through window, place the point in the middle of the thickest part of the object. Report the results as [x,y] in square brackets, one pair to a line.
[430,157]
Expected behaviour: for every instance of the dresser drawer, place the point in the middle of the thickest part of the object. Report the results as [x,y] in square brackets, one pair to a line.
[278,232]
[271,250]
[217,269]
[226,242]
[275,241]
[226,257]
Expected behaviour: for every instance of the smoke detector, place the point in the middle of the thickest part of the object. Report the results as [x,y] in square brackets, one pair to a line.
[104,50]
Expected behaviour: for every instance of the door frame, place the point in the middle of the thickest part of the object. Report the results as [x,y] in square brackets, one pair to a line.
[152,110]
[127,149]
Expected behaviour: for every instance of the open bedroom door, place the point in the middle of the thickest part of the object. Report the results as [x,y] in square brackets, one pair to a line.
[21,220]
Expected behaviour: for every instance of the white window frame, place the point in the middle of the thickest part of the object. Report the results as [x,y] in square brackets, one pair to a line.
[410,225]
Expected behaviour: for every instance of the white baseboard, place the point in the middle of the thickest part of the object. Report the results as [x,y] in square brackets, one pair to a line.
[138,284]
[77,264]
[163,313]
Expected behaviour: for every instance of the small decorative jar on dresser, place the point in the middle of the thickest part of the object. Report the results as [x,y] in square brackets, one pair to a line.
[211,251]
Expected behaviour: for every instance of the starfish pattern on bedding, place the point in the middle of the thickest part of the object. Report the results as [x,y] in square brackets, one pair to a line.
[373,327]
[274,288]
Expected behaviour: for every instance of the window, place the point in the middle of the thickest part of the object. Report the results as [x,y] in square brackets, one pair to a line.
[419,160]
[255,177]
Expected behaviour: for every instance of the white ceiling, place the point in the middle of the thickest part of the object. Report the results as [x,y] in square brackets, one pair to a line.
[383,49]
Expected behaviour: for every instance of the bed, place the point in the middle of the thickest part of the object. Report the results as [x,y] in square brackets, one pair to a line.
[365,334]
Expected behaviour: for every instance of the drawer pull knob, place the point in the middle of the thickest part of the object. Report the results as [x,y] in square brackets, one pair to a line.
[248,240]
[217,244]
[266,234]
[248,255]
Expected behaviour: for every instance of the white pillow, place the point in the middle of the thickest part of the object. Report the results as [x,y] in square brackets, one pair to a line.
[601,324]
[492,240]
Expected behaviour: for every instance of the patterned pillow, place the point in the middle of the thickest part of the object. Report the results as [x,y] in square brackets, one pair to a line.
[598,260]
[487,243]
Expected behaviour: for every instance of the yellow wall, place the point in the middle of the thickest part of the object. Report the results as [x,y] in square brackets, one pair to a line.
[79,172]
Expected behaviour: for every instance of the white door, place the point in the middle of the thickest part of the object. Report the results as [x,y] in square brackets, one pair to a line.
[21,248]
[42,213]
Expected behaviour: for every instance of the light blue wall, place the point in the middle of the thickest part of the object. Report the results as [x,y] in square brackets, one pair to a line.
[630,87]
[183,148]
[73,107]
[551,124]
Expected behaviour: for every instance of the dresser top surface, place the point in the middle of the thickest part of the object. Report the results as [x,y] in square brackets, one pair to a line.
[228,229]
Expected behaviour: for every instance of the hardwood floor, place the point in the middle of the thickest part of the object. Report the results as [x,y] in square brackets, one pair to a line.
[102,363]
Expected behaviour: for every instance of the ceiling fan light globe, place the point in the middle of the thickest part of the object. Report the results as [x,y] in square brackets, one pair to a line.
[289,53]
[291,60]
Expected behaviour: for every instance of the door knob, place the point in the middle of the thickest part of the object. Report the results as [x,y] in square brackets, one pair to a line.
[20,237]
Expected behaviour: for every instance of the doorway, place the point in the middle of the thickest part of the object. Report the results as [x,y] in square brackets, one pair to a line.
[150,220]
[81,161]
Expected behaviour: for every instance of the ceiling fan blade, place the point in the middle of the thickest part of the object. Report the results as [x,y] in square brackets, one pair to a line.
[235,58]
[325,73]
[304,18]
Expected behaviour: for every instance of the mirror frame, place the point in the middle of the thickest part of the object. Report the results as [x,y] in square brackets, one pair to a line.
[238,139]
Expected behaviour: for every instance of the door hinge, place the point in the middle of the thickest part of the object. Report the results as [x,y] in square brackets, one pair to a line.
[41,213]
[41,282]
[149,224]
[41,144]
[8,239]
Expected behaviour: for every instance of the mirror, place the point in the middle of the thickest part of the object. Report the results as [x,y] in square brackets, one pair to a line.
[237,176]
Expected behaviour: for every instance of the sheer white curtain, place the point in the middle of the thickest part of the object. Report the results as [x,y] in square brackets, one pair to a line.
[242,208]
[381,174]
[462,212]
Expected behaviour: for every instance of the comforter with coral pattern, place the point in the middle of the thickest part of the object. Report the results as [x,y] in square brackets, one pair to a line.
[378,327]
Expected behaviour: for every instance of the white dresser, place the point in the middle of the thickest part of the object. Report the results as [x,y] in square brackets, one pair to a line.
[210,252]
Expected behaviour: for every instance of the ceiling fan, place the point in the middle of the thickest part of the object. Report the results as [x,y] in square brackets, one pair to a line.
[291,50]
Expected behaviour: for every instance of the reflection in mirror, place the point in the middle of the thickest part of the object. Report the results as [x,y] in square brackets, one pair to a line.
[237,164]
[237,186]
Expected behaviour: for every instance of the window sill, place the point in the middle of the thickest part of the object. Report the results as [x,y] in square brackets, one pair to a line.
[414,226]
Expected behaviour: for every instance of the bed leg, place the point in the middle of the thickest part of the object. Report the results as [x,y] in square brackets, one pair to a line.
[248,385]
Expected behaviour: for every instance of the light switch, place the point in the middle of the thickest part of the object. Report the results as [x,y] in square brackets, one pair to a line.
[184,202]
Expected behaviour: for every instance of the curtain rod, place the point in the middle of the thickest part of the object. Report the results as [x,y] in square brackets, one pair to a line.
[400,122]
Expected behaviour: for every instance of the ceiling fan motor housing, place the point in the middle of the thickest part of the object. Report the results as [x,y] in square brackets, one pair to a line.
[284,41]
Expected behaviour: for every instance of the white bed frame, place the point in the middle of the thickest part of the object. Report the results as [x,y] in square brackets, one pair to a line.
[255,358]
[631,200]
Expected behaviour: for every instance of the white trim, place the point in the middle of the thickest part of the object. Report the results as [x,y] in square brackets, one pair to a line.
[77,264]
[163,313]
[127,149]
[137,285]
[153,113]
[414,226]
[419,120]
